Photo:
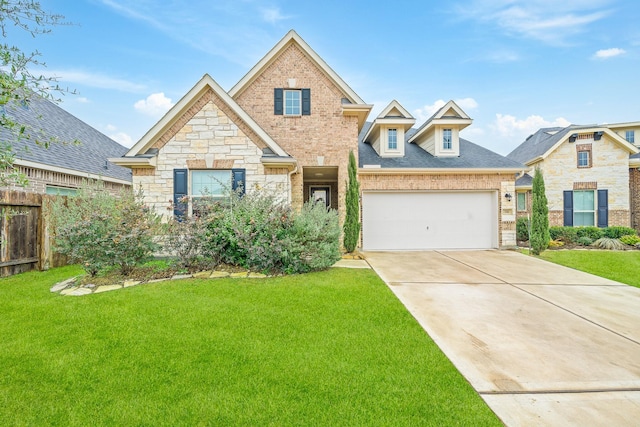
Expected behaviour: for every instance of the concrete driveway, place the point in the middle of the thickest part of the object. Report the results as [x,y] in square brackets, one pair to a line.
[542,344]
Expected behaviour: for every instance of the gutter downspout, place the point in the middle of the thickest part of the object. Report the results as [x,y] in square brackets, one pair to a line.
[295,170]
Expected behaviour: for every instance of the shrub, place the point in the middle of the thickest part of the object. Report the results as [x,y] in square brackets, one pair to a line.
[594,233]
[540,216]
[352,222]
[609,243]
[522,229]
[556,243]
[584,241]
[185,241]
[630,239]
[616,232]
[564,234]
[100,230]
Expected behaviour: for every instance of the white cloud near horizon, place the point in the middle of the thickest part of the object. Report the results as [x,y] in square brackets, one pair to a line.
[154,105]
[544,20]
[609,53]
[422,114]
[508,126]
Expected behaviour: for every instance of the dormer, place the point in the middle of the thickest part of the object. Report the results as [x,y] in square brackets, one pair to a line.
[440,134]
[386,134]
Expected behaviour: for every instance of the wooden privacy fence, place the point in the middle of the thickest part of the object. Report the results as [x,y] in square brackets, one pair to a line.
[25,243]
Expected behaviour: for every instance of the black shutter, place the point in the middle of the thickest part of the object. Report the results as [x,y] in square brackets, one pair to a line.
[278,102]
[306,102]
[603,208]
[568,208]
[237,181]
[180,190]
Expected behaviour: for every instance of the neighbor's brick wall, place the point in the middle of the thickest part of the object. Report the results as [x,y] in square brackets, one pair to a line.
[326,132]
[609,171]
[634,189]
[500,183]
[209,139]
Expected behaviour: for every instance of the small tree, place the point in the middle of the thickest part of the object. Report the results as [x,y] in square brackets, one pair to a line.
[540,216]
[352,220]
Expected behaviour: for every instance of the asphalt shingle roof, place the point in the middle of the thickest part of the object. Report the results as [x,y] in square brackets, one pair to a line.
[471,156]
[46,120]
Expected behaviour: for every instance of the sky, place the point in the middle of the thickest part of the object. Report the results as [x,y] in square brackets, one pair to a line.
[513,66]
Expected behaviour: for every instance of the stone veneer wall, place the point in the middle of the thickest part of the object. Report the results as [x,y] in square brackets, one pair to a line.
[210,139]
[323,138]
[634,190]
[501,183]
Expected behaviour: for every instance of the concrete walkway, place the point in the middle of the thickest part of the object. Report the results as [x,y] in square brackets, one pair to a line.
[544,345]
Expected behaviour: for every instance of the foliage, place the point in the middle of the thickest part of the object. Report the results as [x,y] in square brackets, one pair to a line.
[185,241]
[540,216]
[556,243]
[617,231]
[630,239]
[17,83]
[594,233]
[609,243]
[258,232]
[352,220]
[101,230]
[564,234]
[584,241]
[522,229]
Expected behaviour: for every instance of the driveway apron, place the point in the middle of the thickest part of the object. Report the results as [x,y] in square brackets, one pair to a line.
[541,343]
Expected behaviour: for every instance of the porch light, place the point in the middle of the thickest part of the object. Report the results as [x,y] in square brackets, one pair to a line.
[508,196]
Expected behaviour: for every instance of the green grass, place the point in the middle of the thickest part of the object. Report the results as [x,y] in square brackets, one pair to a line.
[622,266]
[329,348]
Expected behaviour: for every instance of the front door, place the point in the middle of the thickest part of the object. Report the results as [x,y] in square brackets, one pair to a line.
[320,194]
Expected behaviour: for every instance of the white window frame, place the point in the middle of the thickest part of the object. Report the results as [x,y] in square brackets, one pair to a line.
[584,155]
[630,136]
[447,143]
[292,102]
[521,205]
[392,143]
[218,184]
[583,211]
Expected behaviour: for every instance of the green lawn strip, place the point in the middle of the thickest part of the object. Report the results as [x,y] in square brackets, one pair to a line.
[328,348]
[621,266]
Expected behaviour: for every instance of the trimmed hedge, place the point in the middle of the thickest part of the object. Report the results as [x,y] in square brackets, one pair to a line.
[581,235]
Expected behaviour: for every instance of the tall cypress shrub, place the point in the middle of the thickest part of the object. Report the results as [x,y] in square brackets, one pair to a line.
[539,216]
[351,226]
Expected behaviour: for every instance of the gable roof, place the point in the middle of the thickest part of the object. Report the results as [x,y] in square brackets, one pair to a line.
[79,149]
[542,143]
[472,157]
[393,114]
[205,84]
[449,113]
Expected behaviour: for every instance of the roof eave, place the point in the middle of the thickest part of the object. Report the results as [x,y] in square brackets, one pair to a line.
[82,174]
[134,162]
[359,110]
[372,170]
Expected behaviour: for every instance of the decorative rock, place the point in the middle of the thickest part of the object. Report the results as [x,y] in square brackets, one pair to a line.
[219,274]
[243,274]
[62,285]
[159,280]
[181,276]
[80,291]
[253,275]
[67,291]
[107,288]
[202,275]
[89,286]
[128,283]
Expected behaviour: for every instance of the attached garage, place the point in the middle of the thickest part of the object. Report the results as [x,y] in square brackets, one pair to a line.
[429,220]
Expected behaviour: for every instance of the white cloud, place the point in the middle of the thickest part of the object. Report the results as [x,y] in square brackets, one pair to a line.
[508,126]
[122,138]
[97,80]
[273,15]
[544,20]
[427,111]
[155,105]
[82,100]
[609,53]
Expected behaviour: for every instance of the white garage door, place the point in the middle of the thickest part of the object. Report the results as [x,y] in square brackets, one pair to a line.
[434,220]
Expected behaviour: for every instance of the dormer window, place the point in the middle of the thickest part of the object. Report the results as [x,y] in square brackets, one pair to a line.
[392,139]
[447,143]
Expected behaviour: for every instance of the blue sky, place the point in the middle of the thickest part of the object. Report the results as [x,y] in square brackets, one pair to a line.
[514,66]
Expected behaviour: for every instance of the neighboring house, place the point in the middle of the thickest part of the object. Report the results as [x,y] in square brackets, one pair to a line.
[589,174]
[288,126]
[77,152]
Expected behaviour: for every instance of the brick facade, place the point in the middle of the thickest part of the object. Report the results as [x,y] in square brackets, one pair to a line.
[634,190]
[323,138]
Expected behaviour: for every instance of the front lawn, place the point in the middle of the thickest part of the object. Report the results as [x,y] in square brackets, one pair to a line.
[621,266]
[328,348]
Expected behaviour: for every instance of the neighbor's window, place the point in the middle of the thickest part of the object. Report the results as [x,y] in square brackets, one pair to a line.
[583,208]
[292,102]
[521,202]
[630,136]
[61,191]
[392,139]
[446,139]
[584,159]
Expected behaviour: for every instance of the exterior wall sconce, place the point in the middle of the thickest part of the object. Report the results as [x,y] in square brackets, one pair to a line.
[508,196]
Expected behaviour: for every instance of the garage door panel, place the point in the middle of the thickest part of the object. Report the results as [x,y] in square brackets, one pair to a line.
[412,221]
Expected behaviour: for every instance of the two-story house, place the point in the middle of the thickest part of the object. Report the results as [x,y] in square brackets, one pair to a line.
[288,126]
[590,174]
